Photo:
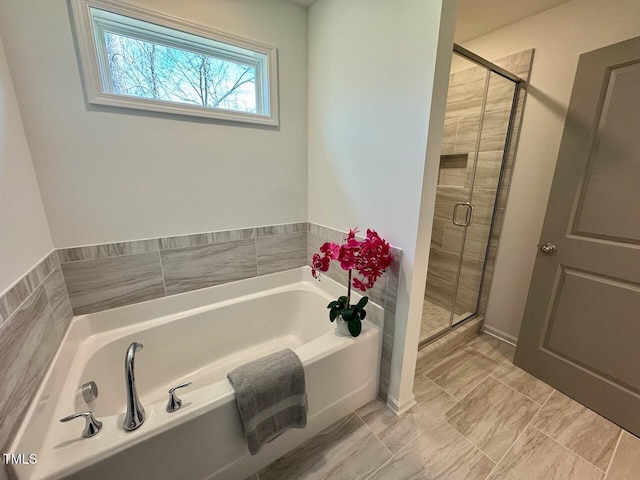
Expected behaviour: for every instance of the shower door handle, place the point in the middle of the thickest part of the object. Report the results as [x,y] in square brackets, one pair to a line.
[468,217]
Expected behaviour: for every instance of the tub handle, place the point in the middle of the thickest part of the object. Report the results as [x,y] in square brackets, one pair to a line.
[91,426]
[174,402]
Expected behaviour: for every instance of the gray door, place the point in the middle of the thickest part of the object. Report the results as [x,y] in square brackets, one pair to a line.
[581,327]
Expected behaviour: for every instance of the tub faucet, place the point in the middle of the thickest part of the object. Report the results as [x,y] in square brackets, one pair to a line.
[134,417]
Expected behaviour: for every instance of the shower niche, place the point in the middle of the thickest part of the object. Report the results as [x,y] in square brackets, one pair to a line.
[453,170]
[478,149]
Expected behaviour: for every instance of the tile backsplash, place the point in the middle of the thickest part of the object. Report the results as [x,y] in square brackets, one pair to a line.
[36,311]
[34,316]
[100,277]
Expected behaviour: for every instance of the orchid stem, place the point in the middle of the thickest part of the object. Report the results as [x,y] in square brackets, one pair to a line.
[349,290]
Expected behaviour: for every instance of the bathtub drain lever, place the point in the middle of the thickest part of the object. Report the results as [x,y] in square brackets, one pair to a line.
[174,402]
[91,426]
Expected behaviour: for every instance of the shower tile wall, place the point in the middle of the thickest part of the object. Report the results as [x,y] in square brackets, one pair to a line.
[464,104]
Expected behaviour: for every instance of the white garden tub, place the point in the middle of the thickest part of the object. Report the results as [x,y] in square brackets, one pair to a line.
[197,336]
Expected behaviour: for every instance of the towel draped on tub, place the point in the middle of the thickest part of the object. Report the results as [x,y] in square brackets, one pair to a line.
[271,397]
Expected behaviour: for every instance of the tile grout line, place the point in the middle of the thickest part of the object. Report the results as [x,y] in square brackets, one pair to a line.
[41,284]
[487,356]
[524,396]
[26,274]
[458,400]
[164,284]
[518,437]
[414,439]
[184,235]
[615,450]
[442,417]
[520,393]
[567,448]
[374,433]
[160,249]
[549,396]
[383,465]
[440,388]
[255,248]
[120,255]
[470,390]
[460,433]
[468,439]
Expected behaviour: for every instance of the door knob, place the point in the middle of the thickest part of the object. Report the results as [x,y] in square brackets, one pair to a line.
[548,248]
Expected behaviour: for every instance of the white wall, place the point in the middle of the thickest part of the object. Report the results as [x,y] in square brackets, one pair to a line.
[559,36]
[25,237]
[113,175]
[371,81]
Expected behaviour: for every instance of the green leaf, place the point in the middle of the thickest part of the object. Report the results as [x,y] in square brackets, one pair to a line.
[333,313]
[363,301]
[347,314]
[362,314]
[355,327]
[343,300]
[334,304]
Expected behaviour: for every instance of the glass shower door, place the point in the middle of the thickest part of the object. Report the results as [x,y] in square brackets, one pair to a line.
[483,185]
[463,116]
[479,105]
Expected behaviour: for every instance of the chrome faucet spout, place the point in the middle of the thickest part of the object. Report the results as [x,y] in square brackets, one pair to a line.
[134,417]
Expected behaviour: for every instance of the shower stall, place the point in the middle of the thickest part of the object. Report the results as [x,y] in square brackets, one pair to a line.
[484,105]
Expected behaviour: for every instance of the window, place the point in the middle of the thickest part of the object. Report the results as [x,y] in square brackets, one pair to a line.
[139,59]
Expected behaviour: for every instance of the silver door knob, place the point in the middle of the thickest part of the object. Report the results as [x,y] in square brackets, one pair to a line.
[548,248]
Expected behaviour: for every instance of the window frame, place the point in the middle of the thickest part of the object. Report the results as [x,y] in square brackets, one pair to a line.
[97,76]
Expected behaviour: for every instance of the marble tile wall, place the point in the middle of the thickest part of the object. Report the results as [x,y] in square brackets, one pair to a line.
[384,293]
[490,184]
[100,277]
[34,316]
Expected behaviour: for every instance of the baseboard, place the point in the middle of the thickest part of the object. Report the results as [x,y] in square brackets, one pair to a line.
[399,408]
[496,332]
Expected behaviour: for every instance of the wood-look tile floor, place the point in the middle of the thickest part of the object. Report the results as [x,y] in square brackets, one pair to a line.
[436,319]
[477,417]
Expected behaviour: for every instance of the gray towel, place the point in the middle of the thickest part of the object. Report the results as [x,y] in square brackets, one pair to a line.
[271,397]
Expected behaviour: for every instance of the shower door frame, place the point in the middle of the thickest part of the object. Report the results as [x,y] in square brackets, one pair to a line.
[519,84]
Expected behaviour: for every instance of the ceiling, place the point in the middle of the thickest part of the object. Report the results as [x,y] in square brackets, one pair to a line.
[304,3]
[477,17]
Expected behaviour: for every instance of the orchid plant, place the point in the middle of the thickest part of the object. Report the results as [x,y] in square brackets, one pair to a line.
[369,257]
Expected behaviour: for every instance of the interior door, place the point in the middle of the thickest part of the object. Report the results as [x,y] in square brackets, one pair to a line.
[581,327]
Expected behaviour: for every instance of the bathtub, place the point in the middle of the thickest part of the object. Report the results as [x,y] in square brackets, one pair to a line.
[196,336]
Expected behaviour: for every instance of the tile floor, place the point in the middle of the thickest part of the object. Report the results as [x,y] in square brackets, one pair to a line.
[478,417]
[436,319]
